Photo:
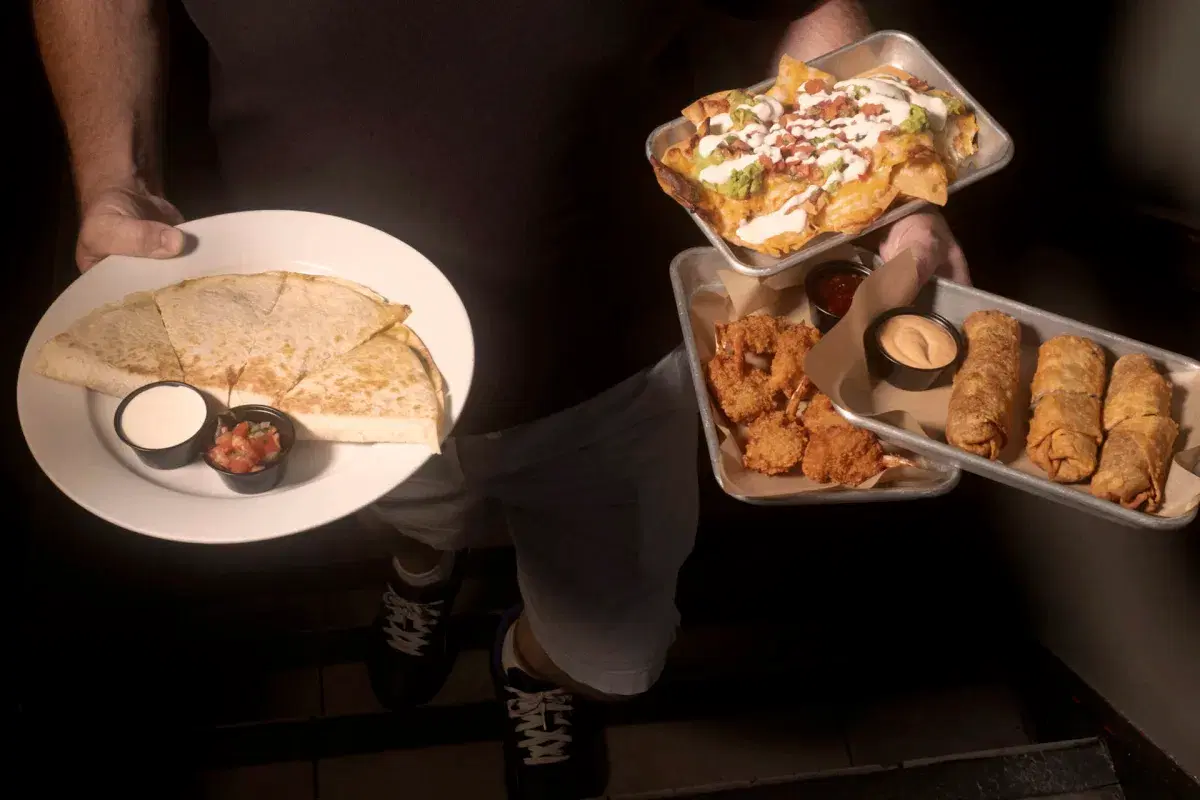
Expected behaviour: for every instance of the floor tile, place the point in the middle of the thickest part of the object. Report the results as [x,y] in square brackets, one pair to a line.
[457,772]
[351,608]
[284,610]
[937,723]
[660,756]
[253,696]
[347,687]
[347,690]
[290,781]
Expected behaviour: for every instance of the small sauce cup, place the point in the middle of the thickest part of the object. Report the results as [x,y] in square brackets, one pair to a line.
[884,366]
[830,288]
[272,472]
[151,413]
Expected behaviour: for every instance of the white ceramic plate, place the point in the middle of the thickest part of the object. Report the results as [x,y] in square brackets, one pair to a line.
[70,430]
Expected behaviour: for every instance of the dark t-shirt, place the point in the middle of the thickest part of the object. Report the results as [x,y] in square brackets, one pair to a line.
[502,140]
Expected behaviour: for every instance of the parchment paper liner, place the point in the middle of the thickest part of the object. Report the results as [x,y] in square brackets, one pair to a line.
[838,367]
[783,295]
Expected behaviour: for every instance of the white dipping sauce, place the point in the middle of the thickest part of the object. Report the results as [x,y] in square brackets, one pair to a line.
[163,416]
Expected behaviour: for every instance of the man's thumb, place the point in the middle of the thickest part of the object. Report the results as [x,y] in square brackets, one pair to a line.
[144,238]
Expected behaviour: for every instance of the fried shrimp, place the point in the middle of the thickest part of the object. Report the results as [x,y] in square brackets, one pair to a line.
[745,389]
[741,392]
[837,451]
[776,443]
[758,379]
[792,343]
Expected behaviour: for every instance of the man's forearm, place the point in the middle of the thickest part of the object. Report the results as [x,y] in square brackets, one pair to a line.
[103,61]
[827,27]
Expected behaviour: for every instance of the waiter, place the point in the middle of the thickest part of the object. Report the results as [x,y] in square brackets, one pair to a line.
[503,140]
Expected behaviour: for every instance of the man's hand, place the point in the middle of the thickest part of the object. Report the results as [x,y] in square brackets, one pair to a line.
[830,25]
[129,221]
[929,238]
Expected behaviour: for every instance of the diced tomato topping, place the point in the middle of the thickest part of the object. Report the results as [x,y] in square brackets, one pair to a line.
[245,448]
[840,106]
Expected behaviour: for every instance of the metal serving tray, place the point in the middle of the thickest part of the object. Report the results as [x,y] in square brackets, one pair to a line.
[954,302]
[880,48]
[695,270]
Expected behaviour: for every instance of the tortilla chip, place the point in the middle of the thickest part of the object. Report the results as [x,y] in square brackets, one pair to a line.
[793,74]
[919,165]
[858,203]
[922,177]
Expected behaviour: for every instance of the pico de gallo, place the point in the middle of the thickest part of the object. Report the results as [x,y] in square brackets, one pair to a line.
[246,447]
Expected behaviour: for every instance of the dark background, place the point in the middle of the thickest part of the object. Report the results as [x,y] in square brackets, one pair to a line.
[97,614]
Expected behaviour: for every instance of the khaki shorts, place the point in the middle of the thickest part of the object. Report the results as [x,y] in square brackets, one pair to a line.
[601,504]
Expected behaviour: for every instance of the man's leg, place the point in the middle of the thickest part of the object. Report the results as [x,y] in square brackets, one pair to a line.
[602,508]
[431,514]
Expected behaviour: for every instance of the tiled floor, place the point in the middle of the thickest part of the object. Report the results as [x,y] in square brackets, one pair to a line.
[960,720]
[347,688]
[469,772]
[657,757]
[244,695]
[646,758]
[290,781]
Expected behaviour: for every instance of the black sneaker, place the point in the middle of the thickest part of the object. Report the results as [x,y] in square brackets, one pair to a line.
[412,652]
[554,745]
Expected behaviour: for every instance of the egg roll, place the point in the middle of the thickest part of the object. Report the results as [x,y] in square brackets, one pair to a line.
[1065,434]
[1137,389]
[1069,364]
[981,399]
[1134,462]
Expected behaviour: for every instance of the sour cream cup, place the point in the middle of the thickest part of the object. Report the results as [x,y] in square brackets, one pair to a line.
[166,423]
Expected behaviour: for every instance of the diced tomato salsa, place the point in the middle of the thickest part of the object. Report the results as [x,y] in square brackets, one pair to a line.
[246,447]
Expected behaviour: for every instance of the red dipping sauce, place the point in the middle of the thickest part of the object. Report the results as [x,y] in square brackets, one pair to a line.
[834,292]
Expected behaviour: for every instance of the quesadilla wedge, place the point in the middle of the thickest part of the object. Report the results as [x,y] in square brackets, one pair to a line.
[316,318]
[213,322]
[387,389]
[771,172]
[115,349]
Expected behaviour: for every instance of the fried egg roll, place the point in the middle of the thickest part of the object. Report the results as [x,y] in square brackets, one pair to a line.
[1141,435]
[1137,389]
[1065,434]
[1134,462]
[981,400]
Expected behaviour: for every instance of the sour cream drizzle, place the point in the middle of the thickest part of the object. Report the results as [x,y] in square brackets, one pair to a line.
[841,160]
[788,218]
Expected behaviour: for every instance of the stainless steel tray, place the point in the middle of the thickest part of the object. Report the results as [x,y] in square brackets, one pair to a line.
[882,47]
[954,302]
[695,270]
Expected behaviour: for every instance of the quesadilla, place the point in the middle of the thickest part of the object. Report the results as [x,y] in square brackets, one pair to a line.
[771,172]
[115,349]
[385,390]
[213,323]
[316,318]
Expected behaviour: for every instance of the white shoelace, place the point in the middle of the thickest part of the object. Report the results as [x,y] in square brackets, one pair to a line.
[536,712]
[410,622]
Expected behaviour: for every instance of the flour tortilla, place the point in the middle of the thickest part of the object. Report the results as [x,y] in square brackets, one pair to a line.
[115,349]
[316,319]
[385,390]
[213,322]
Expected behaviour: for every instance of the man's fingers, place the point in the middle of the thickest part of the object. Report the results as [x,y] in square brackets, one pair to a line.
[957,268]
[114,234]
